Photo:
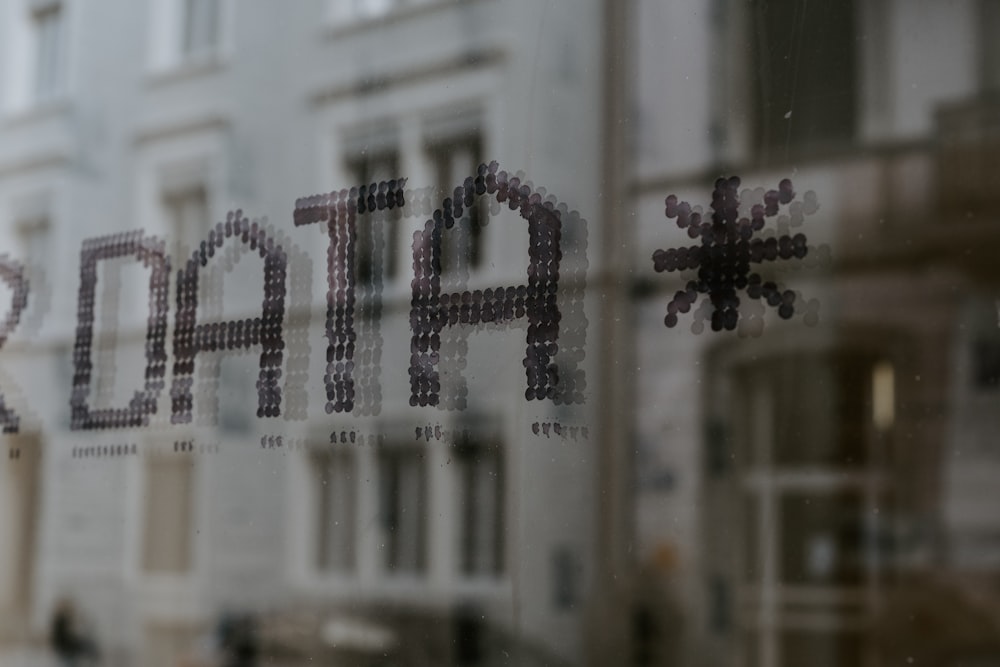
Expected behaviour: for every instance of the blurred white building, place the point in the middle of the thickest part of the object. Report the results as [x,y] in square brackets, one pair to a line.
[718,499]
[163,115]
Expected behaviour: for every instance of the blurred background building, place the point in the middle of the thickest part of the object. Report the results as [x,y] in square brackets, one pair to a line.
[789,493]
[822,492]
[391,535]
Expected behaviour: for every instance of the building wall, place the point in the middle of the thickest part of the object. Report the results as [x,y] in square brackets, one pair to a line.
[880,197]
[264,118]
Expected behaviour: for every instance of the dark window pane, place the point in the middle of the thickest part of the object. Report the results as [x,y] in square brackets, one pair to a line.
[822,539]
[804,80]
[821,649]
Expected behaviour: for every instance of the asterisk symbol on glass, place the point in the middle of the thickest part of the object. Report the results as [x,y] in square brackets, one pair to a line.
[728,248]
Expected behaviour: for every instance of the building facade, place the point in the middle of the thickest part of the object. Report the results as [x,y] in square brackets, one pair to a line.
[814,494]
[391,531]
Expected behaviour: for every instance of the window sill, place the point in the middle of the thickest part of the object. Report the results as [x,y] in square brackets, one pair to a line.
[404,587]
[345,26]
[38,111]
[846,153]
[192,67]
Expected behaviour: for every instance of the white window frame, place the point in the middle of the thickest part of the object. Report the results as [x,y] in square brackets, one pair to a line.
[48,26]
[770,605]
[457,246]
[167,50]
[317,458]
[373,152]
[151,461]
[347,11]
[22,86]
[473,458]
[420,510]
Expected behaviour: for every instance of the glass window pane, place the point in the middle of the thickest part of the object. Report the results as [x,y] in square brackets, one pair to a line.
[168,515]
[480,508]
[469,332]
[403,509]
[336,486]
[200,32]
[48,55]
[830,649]
[805,77]
[823,539]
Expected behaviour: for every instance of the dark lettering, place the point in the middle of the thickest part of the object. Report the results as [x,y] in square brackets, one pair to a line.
[337,212]
[431,311]
[12,273]
[150,251]
[190,337]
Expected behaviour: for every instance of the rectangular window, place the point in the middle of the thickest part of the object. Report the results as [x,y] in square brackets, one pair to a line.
[403,508]
[344,10]
[454,161]
[168,540]
[804,78]
[336,489]
[989,50]
[47,23]
[20,486]
[822,538]
[804,647]
[188,217]
[986,362]
[378,235]
[565,578]
[33,238]
[480,509]
[809,410]
[200,27]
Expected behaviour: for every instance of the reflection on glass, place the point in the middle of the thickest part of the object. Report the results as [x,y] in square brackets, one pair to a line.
[335,478]
[826,649]
[47,19]
[481,484]
[822,539]
[817,490]
[200,32]
[403,509]
[168,540]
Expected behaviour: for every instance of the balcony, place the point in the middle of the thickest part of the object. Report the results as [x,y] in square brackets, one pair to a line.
[968,159]
[967,182]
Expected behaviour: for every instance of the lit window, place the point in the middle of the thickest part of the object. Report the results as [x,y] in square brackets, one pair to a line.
[883,395]
[403,509]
